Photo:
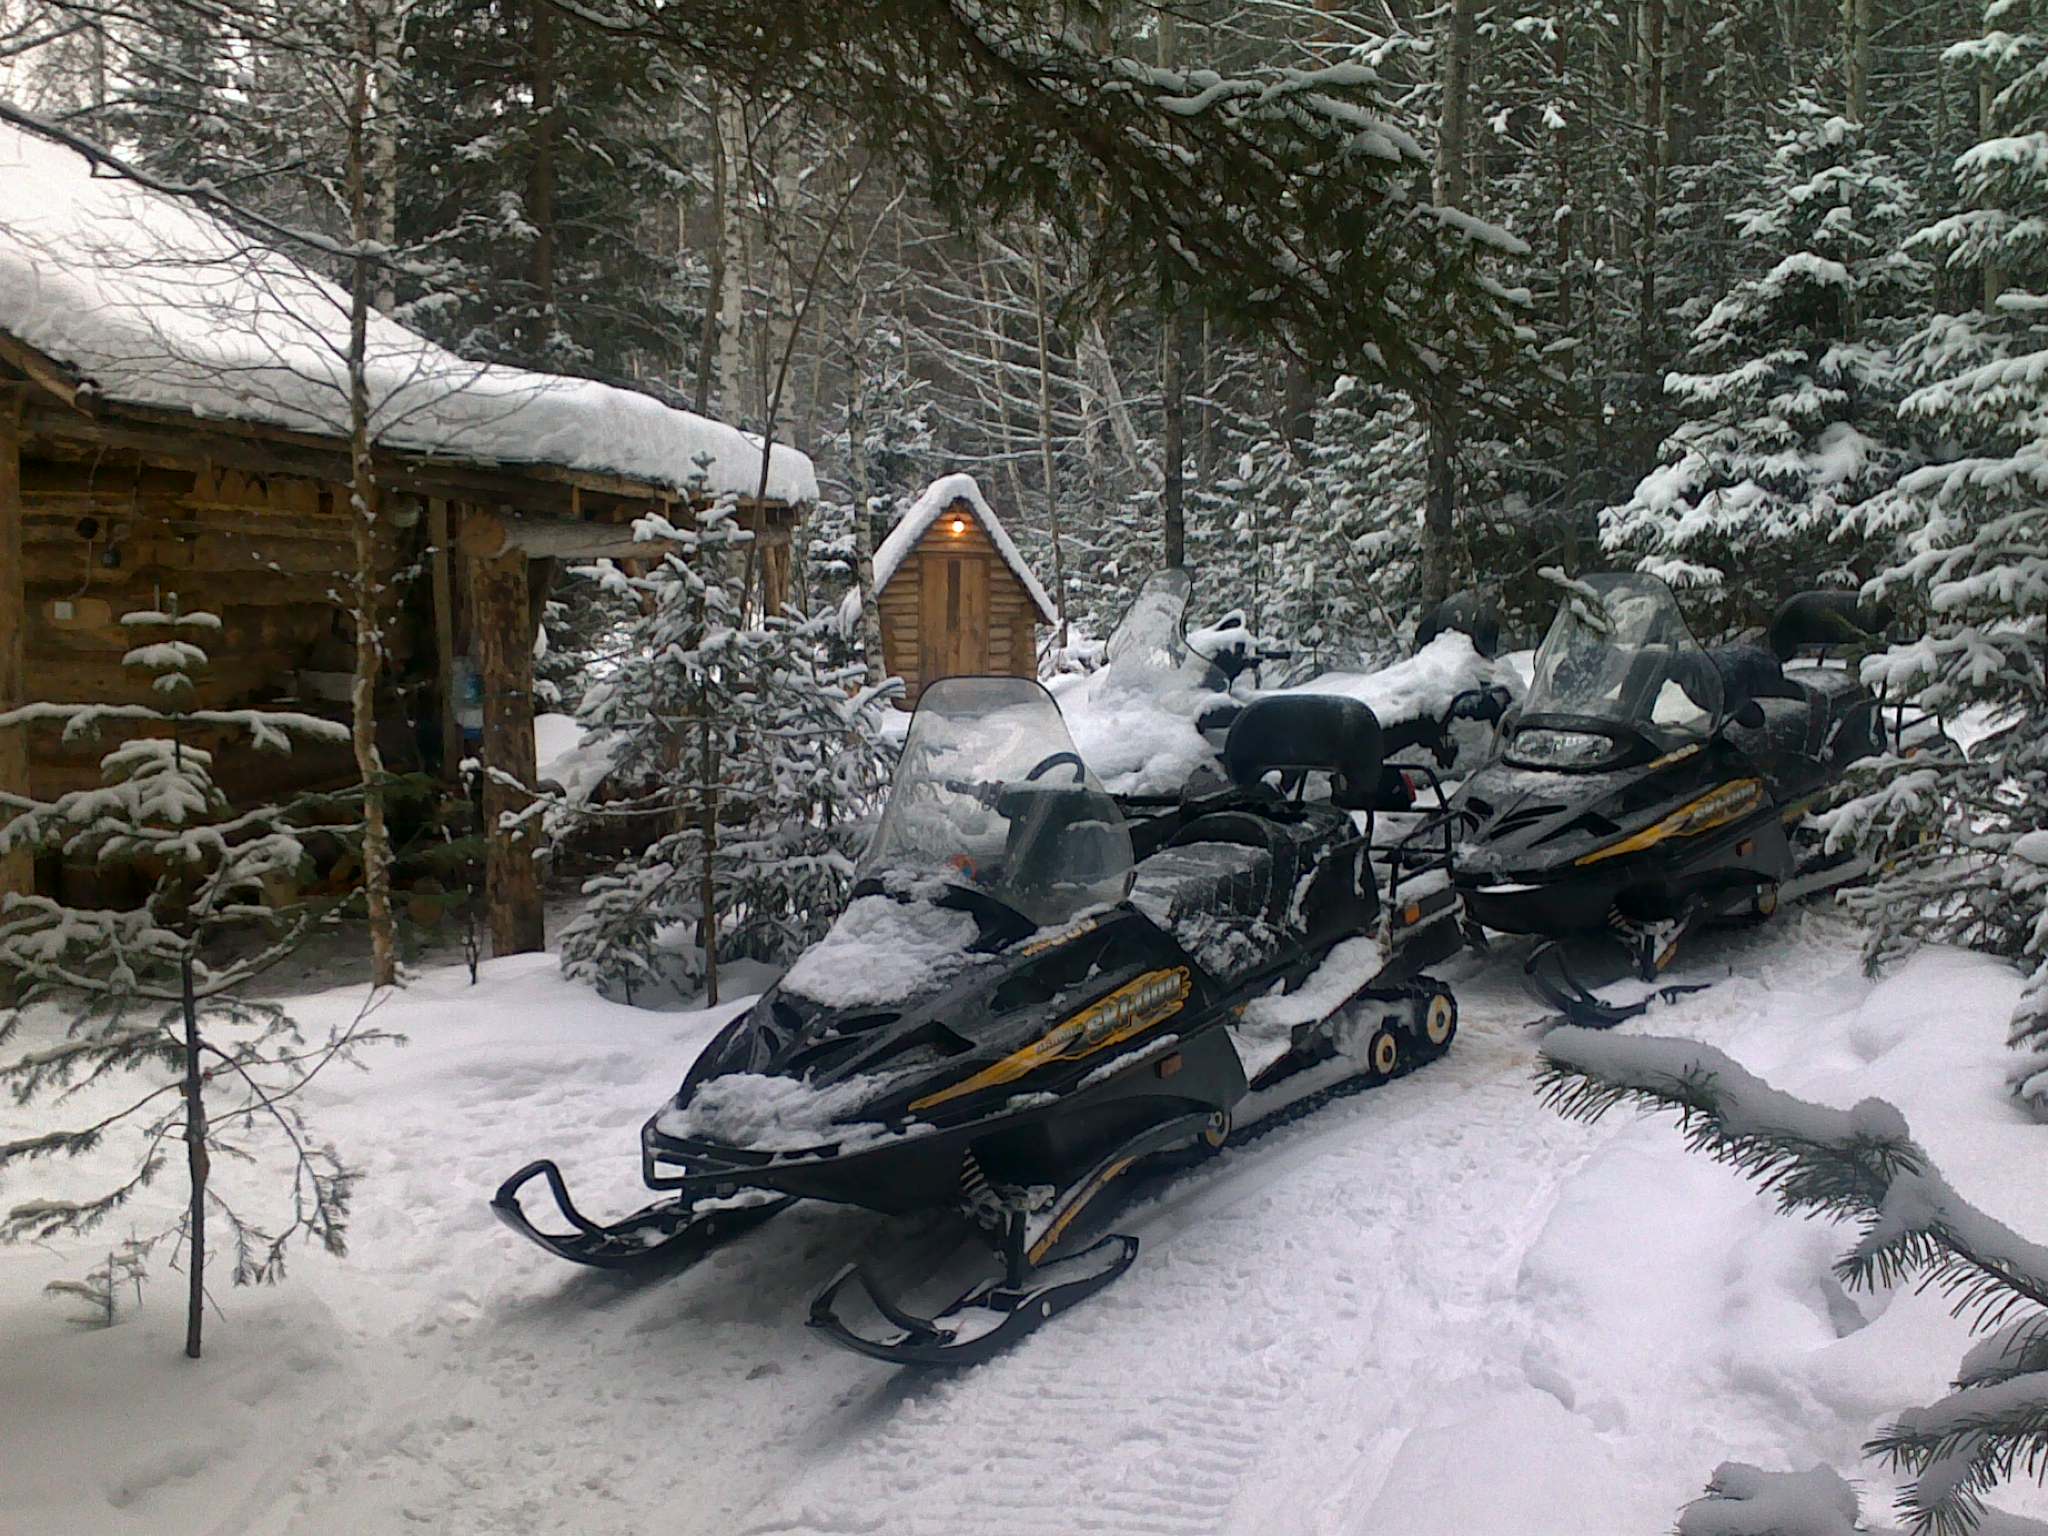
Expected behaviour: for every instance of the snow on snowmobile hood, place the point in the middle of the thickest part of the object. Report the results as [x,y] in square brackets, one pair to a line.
[1136,719]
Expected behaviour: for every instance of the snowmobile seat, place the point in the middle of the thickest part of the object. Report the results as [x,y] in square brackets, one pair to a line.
[1823,722]
[1749,673]
[1320,733]
[1817,621]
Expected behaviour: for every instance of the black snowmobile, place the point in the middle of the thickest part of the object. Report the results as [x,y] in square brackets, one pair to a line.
[1647,785]
[1013,1010]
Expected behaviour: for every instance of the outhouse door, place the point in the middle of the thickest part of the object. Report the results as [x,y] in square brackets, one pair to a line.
[953,625]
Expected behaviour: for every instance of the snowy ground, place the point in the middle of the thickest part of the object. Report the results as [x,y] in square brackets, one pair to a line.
[1434,1308]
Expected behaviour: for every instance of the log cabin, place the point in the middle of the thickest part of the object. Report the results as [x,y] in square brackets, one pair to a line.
[175,419]
[956,596]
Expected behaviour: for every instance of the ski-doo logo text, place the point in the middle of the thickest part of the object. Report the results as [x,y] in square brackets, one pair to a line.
[1130,1008]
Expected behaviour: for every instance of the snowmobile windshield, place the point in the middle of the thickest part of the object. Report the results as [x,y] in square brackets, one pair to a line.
[1149,649]
[990,795]
[1618,666]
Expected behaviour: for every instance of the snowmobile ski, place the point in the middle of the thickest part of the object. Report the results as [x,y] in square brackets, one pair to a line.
[662,1233]
[986,1320]
[1034,1287]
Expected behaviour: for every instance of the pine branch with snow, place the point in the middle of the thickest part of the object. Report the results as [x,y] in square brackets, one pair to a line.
[1860,1165]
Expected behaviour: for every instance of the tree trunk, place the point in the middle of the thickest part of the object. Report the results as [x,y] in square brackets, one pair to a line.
[1438,514]
[502,627]
[1456,80]
[732,259]
[863,497]
[1045,453]
[1856,58]
[368,584]
[17,869]
[1172,379]
[714,287]
[1650,113]
[1439,520]
[540,182]
[197,1164]
[707,812]
[387,24]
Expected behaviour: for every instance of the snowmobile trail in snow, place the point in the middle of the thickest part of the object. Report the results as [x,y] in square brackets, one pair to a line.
[1429,1309]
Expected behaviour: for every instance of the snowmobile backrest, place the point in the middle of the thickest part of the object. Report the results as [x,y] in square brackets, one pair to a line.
[1472,613]
[1820,620]
[1320,733]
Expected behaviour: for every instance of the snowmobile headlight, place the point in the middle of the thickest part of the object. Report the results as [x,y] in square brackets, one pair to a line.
[1716,808]
[1133,1007]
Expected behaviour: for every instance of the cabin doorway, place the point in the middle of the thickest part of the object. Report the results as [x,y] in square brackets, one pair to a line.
[953,589]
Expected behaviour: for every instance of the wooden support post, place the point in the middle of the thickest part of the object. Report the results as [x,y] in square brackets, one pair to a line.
[444,636]
[17,869]
[502,630]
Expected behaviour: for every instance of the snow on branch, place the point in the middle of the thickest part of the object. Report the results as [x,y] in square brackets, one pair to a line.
[1860,1164]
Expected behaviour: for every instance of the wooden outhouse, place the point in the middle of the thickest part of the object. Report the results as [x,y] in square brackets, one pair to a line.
[172,426]
[956,598]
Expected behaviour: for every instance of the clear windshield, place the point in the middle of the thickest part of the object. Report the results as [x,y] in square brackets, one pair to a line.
[990,794]
[1619,655]
[1149,649]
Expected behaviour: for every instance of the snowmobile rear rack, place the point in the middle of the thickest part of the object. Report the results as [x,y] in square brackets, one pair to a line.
[666,1230]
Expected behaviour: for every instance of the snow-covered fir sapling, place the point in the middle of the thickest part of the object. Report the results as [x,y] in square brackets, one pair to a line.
[139,1018]
[1790,388]
[1859,1165]
[755,756]
[105,1283]
[1960,838]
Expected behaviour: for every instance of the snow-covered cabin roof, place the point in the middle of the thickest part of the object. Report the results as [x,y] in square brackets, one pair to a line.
[940,496]
[155,303]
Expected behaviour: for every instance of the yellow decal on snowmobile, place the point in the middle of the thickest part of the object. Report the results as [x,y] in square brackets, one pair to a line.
[1716,808]
[1133,1007]
[1055,940]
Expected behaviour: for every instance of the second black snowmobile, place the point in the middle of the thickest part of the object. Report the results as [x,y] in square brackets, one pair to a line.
[1647,784]
[1014,1010]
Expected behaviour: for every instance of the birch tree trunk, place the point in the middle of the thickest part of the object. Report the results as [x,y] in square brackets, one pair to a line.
[732,257]
[367,586]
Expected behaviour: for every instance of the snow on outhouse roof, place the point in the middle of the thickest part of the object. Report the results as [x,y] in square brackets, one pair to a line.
[941,494]
[158,304]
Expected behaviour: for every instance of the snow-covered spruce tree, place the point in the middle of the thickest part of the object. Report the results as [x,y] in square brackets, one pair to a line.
[1790,387]
[756,760]
[1860,1165]
[150,995]
[1962,842]
[1326,534]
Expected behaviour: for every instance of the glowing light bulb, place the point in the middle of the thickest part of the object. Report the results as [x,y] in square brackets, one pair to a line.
[959,525]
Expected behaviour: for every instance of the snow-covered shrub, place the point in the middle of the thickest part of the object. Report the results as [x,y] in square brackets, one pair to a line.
[1859,1165]
[1958,837]
[1789,388]
[754,757]
[147,994]
[1742,1500]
